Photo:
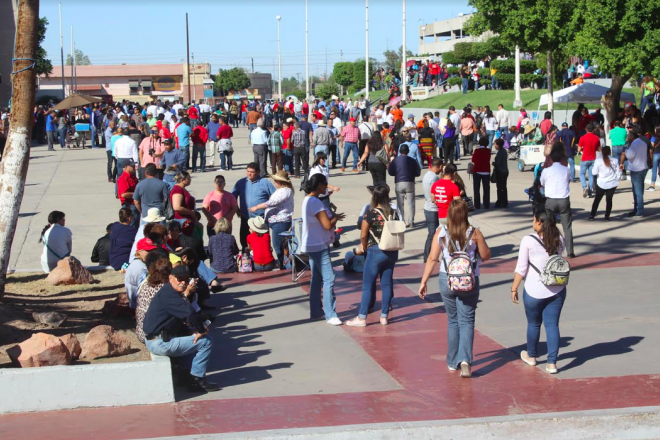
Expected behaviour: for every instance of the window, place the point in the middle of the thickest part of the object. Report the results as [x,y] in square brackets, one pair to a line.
[146,87]
[134,85]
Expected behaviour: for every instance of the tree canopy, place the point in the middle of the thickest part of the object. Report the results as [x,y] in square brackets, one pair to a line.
[81,59]
[342,73]
[231,79]
[393,59]
[44,66]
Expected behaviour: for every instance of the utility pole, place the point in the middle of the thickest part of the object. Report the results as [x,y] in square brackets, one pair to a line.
[62,55]
[367,78]
[188,54]
[517,103]
[75,67]
[279,59]
[73,59]
[404,80]
[325,74]
[252,64]
[194,79]
[16,157]
[341,55]
[306,53]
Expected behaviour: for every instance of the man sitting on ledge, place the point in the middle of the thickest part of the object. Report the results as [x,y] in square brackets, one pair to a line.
[167,326]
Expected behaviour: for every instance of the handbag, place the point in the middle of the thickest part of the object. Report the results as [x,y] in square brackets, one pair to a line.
[470,168]
[493,177]
[469,202]
[382,156]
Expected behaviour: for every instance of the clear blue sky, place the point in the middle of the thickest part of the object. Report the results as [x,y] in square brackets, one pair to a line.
[229,33]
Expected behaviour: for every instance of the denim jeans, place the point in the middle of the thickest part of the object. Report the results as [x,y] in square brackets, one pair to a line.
[637,180]
[586,166]
[179,347]
[186,153]
[276,230]
[322,149]
[62,135]
[457,148]
[465,86]
[491,138]
[323,279]
[93,141]
[265,267]
[432,223]
[199,150]
[225,159]
[546,311]
[654,172]
[287,159]
[494,83]
[348,148]
[461,310]
[377,263]
[571,167]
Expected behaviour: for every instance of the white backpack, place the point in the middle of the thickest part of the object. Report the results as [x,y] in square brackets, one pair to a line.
[556,270]
[392,237]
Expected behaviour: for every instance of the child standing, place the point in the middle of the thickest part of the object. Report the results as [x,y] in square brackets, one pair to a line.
[501,173]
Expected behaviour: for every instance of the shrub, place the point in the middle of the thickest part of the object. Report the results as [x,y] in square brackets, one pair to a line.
[453,71]
[509,66]
[455,81]
[507,80]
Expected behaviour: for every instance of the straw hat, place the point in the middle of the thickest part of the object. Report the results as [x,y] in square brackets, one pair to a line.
[321,123]
[529,129]
[257,224]
[281,176]
[153,216]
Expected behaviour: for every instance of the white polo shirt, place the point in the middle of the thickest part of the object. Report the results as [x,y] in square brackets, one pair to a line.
[556,181]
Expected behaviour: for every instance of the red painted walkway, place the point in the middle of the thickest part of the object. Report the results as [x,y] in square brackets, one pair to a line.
[410,349]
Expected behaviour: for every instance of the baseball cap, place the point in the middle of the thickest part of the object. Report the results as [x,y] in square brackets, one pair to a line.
[352,120]
[146,244]
[410,115]
[564,124]
[181,272]
[167,141]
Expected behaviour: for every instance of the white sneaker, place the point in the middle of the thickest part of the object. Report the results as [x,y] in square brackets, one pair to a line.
[650,189]
[334,321]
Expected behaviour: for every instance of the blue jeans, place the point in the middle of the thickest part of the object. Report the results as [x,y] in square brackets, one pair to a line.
[644,103]
[348,147]
[180,347]
[491,138]
[461,311]
[457,149]
[465,86]
[322,149]
[287,156]
[276,230]
[244,118]
[494,83]
[586,166]
[199,150]
[637,180]
[432,223]
[225,159]
[546,311]
[656,163]
[323,278]
[93,141]
[571,167]
[377,263]
[186,153]
[62,134]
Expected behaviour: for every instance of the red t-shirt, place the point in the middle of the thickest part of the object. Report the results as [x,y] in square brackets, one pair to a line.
[590,143]
[192,113]
[225,132]
[444,191]
[286,135]
[260,246]
[200,135]
[305,108]
[188,201]
[126,183]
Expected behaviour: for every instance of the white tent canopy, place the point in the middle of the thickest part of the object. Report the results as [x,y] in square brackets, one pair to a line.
[583,93]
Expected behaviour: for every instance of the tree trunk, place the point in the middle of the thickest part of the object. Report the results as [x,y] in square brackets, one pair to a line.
[14,166]
[610,101]
[549,81]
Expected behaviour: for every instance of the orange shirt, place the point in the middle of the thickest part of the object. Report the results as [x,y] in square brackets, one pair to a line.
[253,117]
[397,113]
[577,81]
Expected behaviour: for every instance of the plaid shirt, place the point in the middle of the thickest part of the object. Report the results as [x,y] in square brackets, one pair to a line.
[350,134]
[275,142]
[298,138]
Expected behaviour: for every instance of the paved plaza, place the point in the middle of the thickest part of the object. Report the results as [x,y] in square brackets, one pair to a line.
[279,371]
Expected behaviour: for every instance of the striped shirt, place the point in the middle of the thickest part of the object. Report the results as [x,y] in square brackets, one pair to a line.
[350,134]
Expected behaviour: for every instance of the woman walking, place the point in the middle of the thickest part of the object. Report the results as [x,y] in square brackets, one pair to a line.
[449,142]
[317,235]
[279,211]
[57,240]
[378,262]
[376,154]
[491,126]
[481,173]
[542,303]
[609,175]
[460,306]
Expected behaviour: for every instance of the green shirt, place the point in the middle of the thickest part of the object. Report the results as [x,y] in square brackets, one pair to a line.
[618,136]
[151,122]
[649,87]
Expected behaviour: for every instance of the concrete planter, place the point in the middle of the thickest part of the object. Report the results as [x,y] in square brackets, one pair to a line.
[93,385]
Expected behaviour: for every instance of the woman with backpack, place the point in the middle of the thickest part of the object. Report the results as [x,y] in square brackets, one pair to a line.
[378,262]
[543,302]
[462,247]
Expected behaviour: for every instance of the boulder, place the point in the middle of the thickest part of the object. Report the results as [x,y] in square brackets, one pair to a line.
[54,319]
[40,350]
[118,307]
[72,344]
[69,271]
[104,341]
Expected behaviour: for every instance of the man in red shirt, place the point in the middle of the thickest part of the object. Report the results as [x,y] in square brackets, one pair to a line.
[126,184]
[305,108]
[588,145]
[444,191]
[193,114]
[225,149]
[199,137]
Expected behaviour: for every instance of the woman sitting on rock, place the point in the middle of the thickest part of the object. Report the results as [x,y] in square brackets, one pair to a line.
[57,240]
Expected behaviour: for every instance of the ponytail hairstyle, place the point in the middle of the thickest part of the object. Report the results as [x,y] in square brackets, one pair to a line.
[549,230]
[53,217]
[607,151]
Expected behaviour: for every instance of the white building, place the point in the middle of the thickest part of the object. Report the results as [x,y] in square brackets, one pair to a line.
[441,36]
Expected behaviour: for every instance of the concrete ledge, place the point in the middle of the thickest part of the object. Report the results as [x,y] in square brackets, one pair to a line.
[93,385]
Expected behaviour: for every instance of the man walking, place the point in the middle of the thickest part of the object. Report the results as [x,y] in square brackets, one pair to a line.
[350,136]
[259,141]
[212,143]
[50,129]
[184,133]
[555,180]
[199,137]
[588,145]
[637,156]
[405,170]
[250,191]
[430,208]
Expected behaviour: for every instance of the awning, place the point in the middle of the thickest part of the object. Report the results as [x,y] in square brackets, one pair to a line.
[89,87]
[134,84]
[146,83]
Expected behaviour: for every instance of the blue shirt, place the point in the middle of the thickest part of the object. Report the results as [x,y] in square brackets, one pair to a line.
[307,128]
[212,127]
[108,139]
[567,136]
[249,194]
[414,152]
[49,123]
[174,157]
[184,132]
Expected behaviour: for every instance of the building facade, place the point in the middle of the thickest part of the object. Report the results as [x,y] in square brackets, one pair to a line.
[441,36]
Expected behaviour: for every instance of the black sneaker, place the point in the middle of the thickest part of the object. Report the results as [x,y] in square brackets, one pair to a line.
[591,217]
[219,288]
[201,384]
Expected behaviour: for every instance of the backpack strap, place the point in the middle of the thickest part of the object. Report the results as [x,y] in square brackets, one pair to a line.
[43,239]
[542,244]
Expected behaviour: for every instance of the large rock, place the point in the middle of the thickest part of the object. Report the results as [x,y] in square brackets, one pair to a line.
[54,319]
[72,344]
[69,271]
[40,350]
[118,307]
[103,341]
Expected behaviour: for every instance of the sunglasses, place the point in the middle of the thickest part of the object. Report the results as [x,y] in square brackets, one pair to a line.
[182,281]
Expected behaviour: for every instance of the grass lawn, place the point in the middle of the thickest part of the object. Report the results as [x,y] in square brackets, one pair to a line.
[492,98]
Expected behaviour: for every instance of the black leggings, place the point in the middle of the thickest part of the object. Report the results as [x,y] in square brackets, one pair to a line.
[448,146]
[378,172]
[609,195]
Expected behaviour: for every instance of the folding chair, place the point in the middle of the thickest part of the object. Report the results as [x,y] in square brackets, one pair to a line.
[299,261]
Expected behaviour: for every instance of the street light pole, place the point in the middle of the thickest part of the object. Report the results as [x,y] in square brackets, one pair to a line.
[194,78]
[423,35]
[306,53]
[279,59]
[517,103]
[366,64]
[62,55]
[404,80]
[461,15]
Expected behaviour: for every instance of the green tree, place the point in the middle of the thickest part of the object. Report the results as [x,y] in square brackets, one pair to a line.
[542,27]
[342,73]
[326,90]
[622,37]
[359,71]
[44,66]
[81,59]
[393,59]
[231,79]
